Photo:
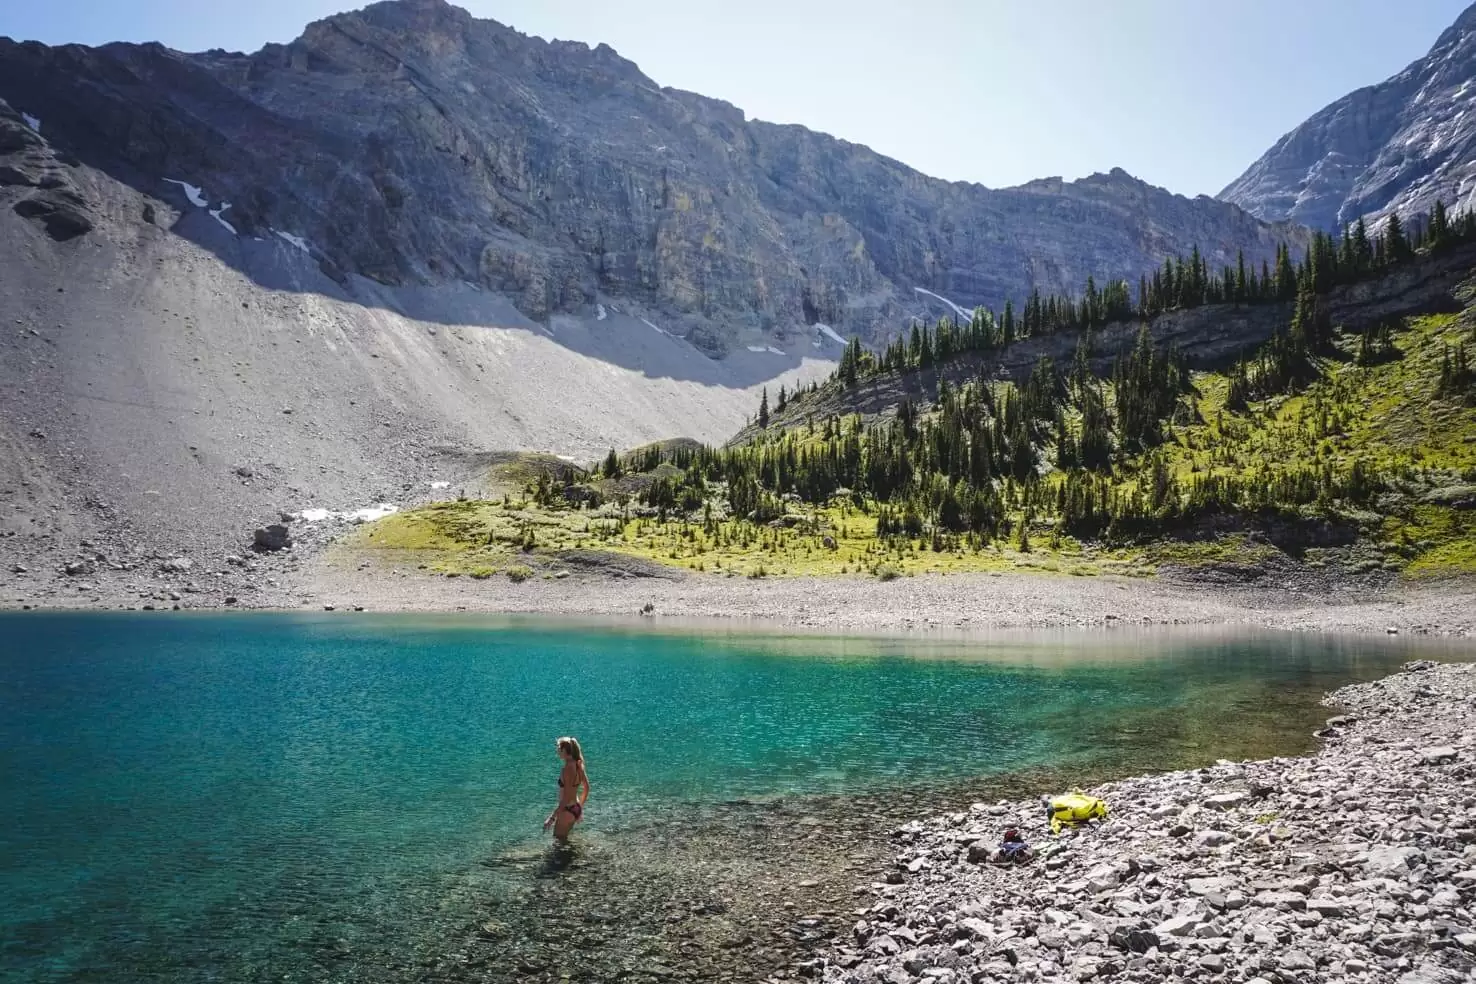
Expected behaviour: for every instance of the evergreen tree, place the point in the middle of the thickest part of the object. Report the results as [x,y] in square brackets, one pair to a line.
[1286,276]
[1439,233]
[763,411]
[1396,246]
[1362,251]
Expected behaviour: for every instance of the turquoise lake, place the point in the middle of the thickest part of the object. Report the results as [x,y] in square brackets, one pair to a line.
[220,797]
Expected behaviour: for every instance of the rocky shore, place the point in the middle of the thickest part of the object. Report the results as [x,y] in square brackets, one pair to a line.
[301,563]
[974,602]
[1356,863]
[302,580]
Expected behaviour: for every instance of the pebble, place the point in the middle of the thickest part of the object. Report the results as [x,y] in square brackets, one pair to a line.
[1356,862]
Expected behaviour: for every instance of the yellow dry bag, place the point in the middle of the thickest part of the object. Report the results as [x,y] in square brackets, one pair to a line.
[1073,808]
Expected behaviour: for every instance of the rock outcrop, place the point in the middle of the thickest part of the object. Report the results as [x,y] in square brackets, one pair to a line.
[29,163]
[1395,146]
[412,144]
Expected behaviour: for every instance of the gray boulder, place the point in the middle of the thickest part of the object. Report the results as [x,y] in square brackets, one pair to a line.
[272,538]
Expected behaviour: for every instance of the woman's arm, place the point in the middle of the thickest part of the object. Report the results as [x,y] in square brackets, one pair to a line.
[583,778]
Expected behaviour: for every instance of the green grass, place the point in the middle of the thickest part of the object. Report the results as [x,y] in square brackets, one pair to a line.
[479,538]
[1388,416]
[1234,548]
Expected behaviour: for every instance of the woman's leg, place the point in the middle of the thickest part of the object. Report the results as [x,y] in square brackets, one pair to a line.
[563,825]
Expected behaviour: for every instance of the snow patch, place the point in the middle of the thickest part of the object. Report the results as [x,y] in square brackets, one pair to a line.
[755,348]
[966,315]
[440,485]
[215,214]
[370,513]
[194,193]
[31,122]
[655,328]
[773,351]
[829,333]
[600,312]
[366,515]
[297,241]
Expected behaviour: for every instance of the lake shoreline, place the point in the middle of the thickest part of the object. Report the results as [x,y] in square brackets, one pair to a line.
[967,603]
[956,603]
[1352,862]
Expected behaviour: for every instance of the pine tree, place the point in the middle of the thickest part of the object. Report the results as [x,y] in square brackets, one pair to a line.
[1286,276]
[763,414]
[1439,226]
[850,363]
[783,399]
[1347,261]
[1362,251]
[611,467]
[1396,246]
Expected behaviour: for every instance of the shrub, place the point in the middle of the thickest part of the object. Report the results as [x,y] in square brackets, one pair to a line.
[886,572]
[481,573]
[518,573]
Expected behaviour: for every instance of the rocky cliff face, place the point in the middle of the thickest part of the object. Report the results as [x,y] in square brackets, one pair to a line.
[1395,146]
[412,144]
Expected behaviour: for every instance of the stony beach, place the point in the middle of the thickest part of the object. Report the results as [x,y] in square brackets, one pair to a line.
[318,572]
[1356,863]
[859,603]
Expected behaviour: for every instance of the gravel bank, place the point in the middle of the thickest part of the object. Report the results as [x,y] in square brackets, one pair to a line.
[314,576]
[1357,863]
[970,602]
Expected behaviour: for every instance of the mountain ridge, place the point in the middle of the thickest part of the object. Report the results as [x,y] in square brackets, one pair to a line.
[559,174]
[1397,145]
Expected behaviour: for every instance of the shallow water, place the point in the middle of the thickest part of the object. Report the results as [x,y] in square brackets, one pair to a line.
[253,797]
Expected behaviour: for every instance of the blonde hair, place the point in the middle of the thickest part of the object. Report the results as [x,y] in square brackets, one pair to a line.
[571,745]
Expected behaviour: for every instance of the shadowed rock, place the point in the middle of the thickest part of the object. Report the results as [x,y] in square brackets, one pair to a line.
[410,143]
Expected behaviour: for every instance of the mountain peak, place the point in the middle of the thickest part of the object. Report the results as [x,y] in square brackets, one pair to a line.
[413,145]
[1464,24]
[1395,146]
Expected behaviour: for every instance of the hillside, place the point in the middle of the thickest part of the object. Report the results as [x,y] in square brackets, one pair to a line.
[413,145]
[1396,146]
[1342,447]
[157,403]
[333,274]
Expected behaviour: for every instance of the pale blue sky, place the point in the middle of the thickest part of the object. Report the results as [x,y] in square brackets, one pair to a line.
[1183,93]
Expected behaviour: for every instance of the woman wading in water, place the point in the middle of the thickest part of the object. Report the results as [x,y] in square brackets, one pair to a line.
[573,790]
